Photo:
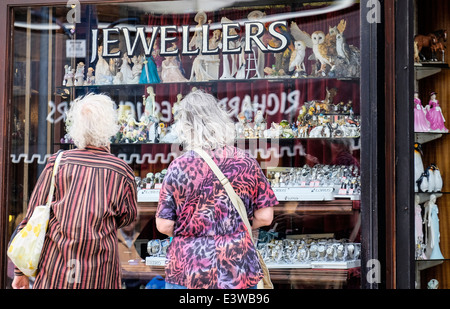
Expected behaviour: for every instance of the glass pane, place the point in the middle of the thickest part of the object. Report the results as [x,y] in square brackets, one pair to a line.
[288,71]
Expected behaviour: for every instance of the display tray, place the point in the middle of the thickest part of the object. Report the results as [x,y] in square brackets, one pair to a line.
[148,195]
[317,264]
[281,193]
[336,265]
[155,261]
[161,261]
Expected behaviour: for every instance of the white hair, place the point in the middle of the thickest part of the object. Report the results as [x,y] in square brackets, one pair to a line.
[92,120]
[201,123]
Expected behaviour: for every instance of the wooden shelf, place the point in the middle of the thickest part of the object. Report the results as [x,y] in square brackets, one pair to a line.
[344,206]
[328,278]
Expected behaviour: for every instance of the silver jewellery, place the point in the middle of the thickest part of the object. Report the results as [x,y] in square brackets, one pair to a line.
[279,252]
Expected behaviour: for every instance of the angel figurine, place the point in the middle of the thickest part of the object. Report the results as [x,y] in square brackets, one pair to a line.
[421,124]
[434,115]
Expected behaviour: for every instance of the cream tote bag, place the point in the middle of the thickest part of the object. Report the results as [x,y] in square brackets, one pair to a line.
[25,248]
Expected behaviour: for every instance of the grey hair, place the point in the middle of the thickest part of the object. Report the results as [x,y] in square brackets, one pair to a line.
[92,120]
[202,123]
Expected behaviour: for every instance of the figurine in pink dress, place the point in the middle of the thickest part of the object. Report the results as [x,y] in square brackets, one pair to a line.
[171,71]
[421,123]
[434,115]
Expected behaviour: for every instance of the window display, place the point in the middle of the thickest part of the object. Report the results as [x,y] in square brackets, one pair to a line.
[431,136]
[288,73]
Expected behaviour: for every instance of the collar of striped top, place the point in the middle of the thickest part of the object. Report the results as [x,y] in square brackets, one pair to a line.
[95,148]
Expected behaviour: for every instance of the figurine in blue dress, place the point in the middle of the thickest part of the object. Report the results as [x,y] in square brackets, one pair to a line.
[433,225]
[149,74]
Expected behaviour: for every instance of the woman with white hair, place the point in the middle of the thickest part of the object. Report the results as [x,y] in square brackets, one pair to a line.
[95,195]
[210,247]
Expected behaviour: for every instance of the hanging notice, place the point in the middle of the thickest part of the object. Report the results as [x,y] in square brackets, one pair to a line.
[76,48]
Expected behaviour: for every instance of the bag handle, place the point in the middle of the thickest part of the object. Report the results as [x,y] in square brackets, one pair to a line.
[226,183]
[52,184]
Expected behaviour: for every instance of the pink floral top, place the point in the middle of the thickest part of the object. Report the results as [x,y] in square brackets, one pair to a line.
[211,247]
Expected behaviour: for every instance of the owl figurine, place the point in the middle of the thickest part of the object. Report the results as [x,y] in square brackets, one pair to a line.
[342,48]
[330,40]
[321,51]
[297,59]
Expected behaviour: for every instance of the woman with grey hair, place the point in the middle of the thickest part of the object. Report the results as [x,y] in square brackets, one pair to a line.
[95,195]
[210,247]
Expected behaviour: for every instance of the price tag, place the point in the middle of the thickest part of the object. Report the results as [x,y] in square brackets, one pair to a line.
[76,48]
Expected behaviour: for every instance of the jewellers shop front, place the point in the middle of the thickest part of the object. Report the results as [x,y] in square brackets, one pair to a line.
[301,65]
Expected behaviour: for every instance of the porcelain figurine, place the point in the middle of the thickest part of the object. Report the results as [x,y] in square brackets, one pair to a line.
[433,227]
[418,223]
[419,169]
[138,64]
[79,74]
[421,124]
[125,69]
[431,179]
[176,105]
[103,75]
[149,104]
[251,65]
[70,77]
[157,58]
[118,79]
[149,72]
[433,284]
[438,183]
[198,70]
[90,78]
[67,69]
[170,70]
[296,63]
[247,108]
[212,62]
[229,61]
[434,115]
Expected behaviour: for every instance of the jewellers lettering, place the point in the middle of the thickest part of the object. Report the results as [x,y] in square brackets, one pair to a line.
[254,31]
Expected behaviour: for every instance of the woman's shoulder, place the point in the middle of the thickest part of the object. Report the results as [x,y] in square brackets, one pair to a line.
[97,158]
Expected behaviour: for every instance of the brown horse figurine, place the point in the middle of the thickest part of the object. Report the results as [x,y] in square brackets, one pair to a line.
[439,47]
[425,41]
[432,41]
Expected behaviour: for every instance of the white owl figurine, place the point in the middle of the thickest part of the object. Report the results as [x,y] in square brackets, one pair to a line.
[342,48]
[297,59]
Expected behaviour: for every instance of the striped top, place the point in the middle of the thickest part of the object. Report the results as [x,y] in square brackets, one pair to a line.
[95,195]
